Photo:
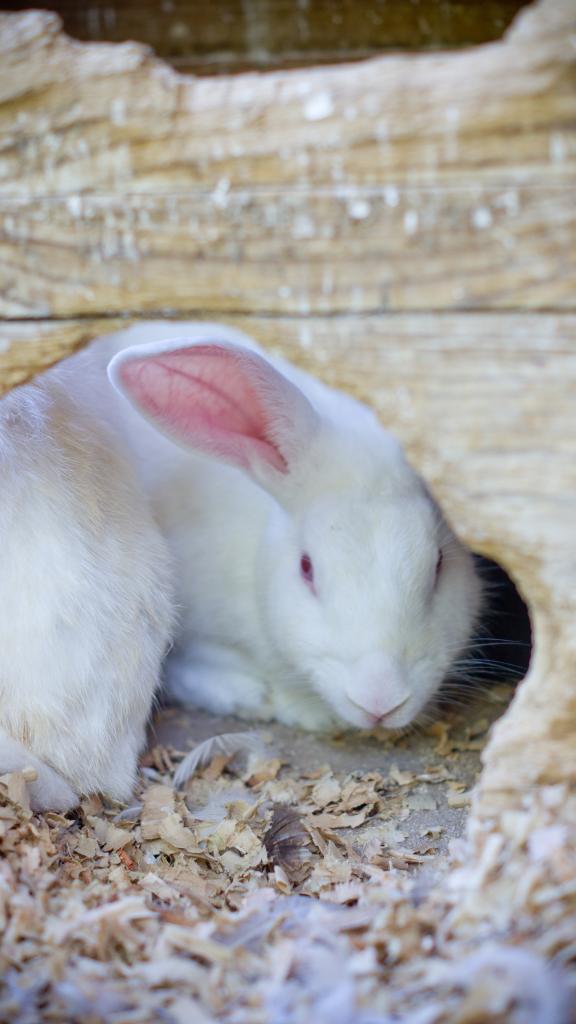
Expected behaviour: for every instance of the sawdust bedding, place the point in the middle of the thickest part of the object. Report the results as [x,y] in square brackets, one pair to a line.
[242,889]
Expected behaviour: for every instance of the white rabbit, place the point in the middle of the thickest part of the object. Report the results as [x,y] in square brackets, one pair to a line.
[85,596]
[318,582]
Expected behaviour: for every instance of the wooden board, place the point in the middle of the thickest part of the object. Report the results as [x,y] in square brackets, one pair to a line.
[113,120]
[283,252]
[406,183]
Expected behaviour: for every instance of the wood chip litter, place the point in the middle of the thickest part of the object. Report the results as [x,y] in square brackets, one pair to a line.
[239,889]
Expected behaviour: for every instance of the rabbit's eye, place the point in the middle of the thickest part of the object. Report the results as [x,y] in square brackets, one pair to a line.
[307,569]
[439,562]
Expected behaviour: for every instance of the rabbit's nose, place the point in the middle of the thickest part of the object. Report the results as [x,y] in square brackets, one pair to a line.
[382,719]
[378,707]
[380,687]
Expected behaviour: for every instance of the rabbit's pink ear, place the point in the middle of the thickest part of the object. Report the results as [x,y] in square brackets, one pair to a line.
[218,399]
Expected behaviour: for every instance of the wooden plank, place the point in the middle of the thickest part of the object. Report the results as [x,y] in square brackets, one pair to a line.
[235,34]
[76,117]
[316,251]
[507,375]
[29,347]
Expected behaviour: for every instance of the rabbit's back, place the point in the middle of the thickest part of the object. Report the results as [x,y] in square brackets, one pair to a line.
[85,592]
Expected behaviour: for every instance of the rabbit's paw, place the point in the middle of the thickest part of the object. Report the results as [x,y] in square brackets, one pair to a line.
[217,688]
[304,709]
[50,792]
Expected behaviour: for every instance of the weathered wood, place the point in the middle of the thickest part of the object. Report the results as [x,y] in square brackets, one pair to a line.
[347,249]
[315,198]
[28,347]
[111,118]
[199,36]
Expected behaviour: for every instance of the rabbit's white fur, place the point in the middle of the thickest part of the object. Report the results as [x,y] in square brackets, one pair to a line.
[377,638]
[85,595]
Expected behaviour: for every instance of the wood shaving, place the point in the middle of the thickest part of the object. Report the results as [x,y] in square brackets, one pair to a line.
[224,902]
[458,799]
[422,801]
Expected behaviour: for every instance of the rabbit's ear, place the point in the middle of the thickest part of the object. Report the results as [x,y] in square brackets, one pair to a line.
[218,399]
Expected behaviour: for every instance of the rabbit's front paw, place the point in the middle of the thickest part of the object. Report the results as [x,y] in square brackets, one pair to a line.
[304,709]
[217,688]
[50,792]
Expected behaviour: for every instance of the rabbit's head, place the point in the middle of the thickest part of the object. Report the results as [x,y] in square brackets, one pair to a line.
[363,588]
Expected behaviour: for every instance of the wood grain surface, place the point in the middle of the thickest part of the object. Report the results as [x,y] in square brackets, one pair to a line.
[278,251]
[112,119]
